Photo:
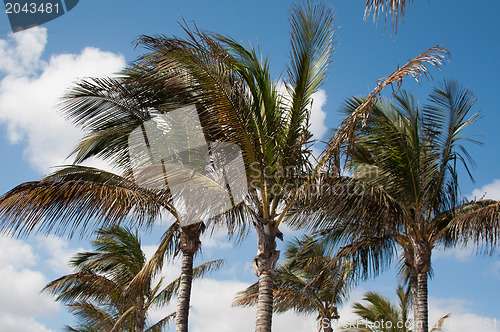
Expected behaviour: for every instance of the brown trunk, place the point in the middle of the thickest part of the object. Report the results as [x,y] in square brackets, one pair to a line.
[263,265]
[327,328]
[420,306]
[419,262]
[189,245]
[326,325]
[140,323]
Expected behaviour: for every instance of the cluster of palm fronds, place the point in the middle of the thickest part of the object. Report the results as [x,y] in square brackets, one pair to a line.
[403,191]
[114,287]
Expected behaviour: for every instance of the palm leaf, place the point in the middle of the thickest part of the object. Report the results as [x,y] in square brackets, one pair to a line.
[78,198]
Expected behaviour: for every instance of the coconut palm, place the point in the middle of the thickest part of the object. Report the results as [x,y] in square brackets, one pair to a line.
[237,102]
[103,293]
[79,198]
[380,315]
[297,286]
[404,189]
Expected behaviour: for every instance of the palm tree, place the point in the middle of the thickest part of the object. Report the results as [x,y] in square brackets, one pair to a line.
[404,189]
[237,102]
[297,286]
[380,315]
[79,198]
[103,293]
[85,198]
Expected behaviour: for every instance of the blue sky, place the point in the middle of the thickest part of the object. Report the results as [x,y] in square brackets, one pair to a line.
[96,38]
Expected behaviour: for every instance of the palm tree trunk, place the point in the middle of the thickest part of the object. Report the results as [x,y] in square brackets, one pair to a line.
[184,297]
[420,306]
[140,323]
[263,265]
[189,245]
[420,266]
[327,327]
[265,302]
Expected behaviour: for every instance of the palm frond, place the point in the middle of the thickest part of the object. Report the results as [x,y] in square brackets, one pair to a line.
[167,250]
[78,198]
[416,68]
[395,8]
[312,36]
[478,222]
[161,324]
[92,316]
[438,327]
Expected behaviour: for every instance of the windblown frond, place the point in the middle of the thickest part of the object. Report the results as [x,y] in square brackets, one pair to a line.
[78,198]
[415,68]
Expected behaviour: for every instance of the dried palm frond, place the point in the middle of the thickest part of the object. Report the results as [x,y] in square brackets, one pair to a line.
[396,8]
[417,67]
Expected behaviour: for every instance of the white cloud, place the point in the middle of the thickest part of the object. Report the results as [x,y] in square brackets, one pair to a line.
[318,115]
[21,300]
[16,253]
[32,87]
[489,191]
[58,253]
[461,320]
[11,323]
[23,58]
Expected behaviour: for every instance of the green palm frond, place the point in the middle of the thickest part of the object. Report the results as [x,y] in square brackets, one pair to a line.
[114,286]
[92,317]
[308,281]
[312,36]
[78,198]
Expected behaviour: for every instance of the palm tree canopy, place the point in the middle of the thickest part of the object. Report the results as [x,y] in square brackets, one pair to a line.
[404,185]
[104,292]
[308,281]
[379,314]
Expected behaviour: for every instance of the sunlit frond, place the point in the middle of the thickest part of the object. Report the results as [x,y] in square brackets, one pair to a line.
[78,198]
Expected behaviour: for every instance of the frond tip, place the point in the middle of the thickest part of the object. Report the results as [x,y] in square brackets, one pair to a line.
[395,8]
